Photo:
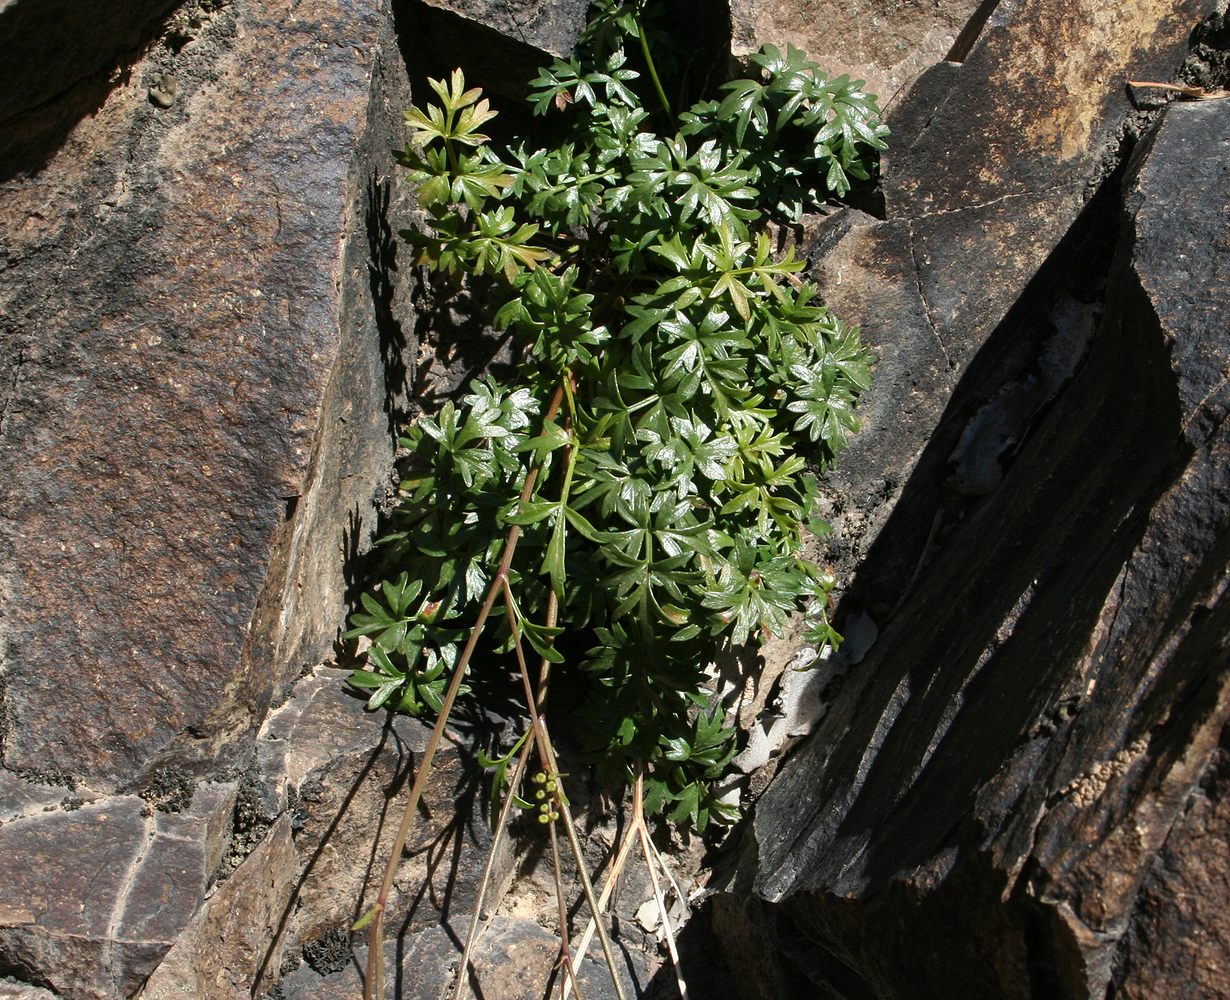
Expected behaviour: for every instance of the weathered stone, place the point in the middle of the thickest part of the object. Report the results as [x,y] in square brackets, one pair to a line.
[1010,146]
[20,798]
[20,991]
[883,42]
[232,946]
[91,898]
[1180,931]
[333,780]
[867,273]
[320,723]
[987,808]
[195,405]
[352,782]
[61,61]
[994,231]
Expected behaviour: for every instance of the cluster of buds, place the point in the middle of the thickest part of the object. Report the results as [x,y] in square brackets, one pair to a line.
[547,796]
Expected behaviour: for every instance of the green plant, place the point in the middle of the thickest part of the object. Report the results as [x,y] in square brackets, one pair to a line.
[648,481]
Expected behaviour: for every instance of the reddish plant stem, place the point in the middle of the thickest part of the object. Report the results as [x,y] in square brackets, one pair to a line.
[373,986]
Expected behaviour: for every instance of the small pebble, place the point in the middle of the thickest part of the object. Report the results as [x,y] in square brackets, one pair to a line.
[162,90]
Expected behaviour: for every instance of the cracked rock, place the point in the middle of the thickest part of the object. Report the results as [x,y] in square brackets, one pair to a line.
[90,899]
[1022,778]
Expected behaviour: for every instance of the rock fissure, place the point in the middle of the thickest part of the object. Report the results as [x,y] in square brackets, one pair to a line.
[922,295]
[113,960]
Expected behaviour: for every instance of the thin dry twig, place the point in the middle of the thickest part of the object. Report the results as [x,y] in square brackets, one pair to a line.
[501,826]
[565,956]
[587,887]
[664,913]
[665,869]
[1188,91]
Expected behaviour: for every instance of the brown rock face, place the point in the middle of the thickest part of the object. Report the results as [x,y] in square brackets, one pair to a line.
[1180,932]
[194,401]
[1007,795]
[886,43]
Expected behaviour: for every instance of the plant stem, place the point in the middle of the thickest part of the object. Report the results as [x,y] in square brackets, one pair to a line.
[550,765]
[459,989]
[568,971]
[653,72]
[373,986]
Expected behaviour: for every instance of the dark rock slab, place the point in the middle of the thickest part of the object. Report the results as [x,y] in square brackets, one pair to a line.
[1180,930]
[501,44]
[91,898]
[551,26]
[329,788]
[199,375]
[993,801]
[231,946]
[867,273]
[350,779]
[515,957]
[992,183]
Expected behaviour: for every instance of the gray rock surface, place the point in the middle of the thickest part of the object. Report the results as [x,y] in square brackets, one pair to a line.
[20,991]
[91,896]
